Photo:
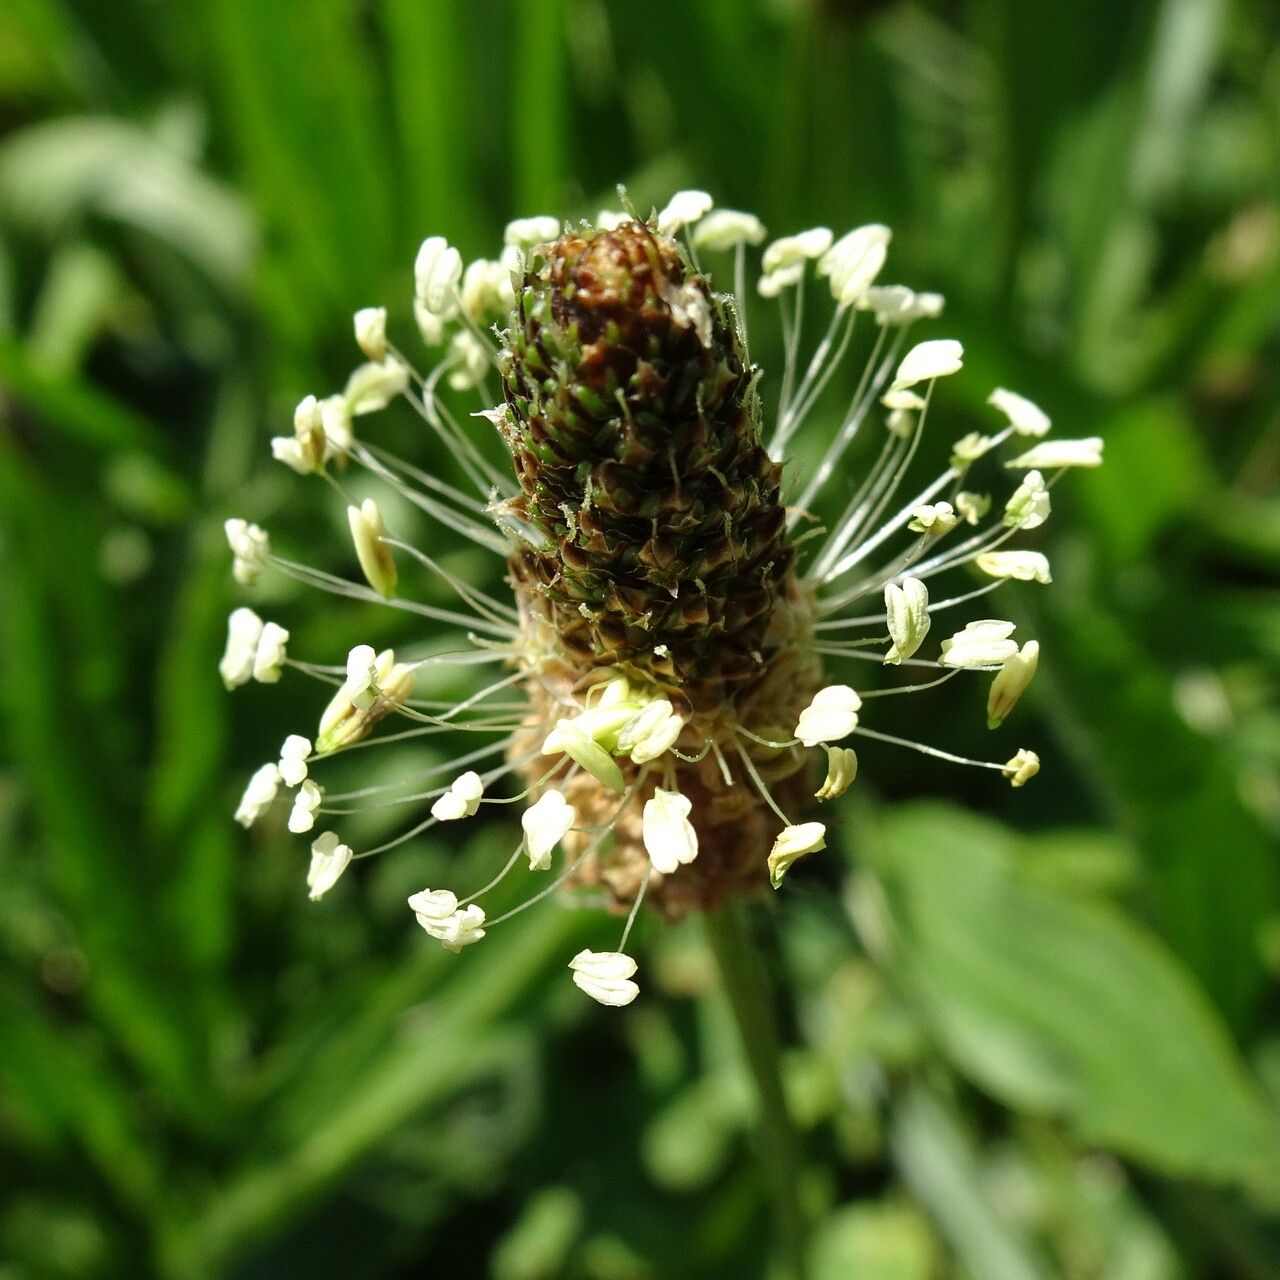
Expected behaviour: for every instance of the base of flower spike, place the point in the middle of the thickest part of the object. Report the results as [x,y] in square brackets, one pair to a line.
[735,827]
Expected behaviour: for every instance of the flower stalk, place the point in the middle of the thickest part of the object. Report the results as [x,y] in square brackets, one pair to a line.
[752,1000]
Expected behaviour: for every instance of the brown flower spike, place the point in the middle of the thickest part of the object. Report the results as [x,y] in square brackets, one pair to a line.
[634,424]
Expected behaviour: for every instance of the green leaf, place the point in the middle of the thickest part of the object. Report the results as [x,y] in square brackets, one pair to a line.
[1155,473]
[539,99]
[1209,863]
[59,171]
[453,1042]
[76,409]
[1059,1005]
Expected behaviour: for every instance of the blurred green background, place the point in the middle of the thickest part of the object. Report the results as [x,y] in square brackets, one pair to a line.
[1031,1034]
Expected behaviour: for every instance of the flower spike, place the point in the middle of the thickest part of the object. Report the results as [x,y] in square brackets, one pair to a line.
[671,681]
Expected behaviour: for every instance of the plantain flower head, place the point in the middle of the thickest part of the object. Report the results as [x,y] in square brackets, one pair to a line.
[695,626]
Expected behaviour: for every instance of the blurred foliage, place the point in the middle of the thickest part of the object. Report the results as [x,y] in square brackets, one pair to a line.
[1046,1054]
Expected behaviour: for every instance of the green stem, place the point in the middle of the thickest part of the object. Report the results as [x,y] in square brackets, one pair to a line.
[751,997]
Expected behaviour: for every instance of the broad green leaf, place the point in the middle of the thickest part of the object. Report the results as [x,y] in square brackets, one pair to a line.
[1060,1005]
[1210,864]
[1156,471]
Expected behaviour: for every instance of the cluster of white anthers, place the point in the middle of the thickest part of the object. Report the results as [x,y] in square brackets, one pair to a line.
[878,547]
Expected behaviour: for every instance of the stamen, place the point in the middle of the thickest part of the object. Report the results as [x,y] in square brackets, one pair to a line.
[357,591]
[904,516]
[635,907]
[484,603]
[869,519]
[868,389]
[445,766]
[502,875]
[792,325]
[867,586]
[820,369]
[482,535]
[764,791]
[480,471]
[492,725]
[397,464]
[543,781]
[867,642]
[844,528]
[575,864]
[869,620]
[488,779]
[879,482]
[891,526]
[467,703]
[969,549]
[726,773]
[832,652]
[765,742]
[740,294]
[864,732]
[496,480]
[910,688]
